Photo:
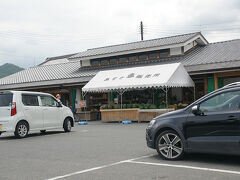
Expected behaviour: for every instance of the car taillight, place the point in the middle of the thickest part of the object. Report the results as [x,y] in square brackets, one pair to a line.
[13,109]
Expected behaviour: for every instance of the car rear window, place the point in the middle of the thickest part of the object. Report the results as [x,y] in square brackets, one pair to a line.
[30,100]
[5,99]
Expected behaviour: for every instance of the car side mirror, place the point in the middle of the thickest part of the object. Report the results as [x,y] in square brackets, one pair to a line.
[59,104]
[195,110]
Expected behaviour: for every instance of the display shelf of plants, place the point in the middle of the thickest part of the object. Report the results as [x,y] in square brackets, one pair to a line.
[127,106]
[143,106]
[97,100]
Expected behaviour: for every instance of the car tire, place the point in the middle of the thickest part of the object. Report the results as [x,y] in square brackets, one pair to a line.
[169,145]
[21,130]
[0,133]
[42,131]
[67,126]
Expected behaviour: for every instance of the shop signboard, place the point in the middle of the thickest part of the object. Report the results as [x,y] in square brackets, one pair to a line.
[82,104]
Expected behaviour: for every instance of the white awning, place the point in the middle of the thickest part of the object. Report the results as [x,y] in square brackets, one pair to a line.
[158,76]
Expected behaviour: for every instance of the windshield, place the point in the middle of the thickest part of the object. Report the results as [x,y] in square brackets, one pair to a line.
[5,99]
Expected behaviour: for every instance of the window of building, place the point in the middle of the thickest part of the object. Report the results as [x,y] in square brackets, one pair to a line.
[95,62]
[142,57]
[148,76]
[164,53]
[156,75]
[153,55]
[30,100]
[132,58]
[130,75]
[104,62]
[122,59]
[113,61]
[139,76]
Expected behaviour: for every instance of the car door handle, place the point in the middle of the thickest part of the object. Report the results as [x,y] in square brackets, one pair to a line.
[232,118]
[26,108]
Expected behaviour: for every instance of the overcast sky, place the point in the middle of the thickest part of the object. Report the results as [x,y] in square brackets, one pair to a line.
[32,30]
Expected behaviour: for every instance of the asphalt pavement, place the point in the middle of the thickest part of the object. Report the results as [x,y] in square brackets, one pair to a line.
[103,151]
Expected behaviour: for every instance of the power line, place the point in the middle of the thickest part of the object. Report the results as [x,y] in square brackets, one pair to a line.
[226,23]
[54,36]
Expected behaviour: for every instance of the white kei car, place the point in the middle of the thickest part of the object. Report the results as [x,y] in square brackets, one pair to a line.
[24,111]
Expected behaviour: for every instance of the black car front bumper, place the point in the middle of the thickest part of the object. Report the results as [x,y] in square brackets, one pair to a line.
[149,139]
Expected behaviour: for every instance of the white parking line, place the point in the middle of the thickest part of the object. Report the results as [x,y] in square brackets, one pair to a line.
[99,167]
[186,167]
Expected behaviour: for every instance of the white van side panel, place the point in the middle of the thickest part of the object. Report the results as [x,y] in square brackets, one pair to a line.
[9,123]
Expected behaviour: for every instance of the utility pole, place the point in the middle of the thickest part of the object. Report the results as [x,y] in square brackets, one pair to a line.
[141,29]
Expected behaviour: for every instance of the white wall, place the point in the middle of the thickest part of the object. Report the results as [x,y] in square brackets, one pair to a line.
[188,46]
[175,51]
[194,43]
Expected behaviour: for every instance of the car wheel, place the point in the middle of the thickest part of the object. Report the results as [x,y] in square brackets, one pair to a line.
[169,145]
[21,130]
[0,133]
[42,131]
[67,125]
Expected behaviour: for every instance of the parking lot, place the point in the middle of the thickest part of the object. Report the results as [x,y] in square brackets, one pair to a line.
[103,151]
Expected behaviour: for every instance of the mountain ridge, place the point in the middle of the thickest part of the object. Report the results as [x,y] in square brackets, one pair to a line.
[8,69]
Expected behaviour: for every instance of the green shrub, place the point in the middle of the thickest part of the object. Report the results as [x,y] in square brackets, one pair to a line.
[153,106]
[161,106]
[110,106]
[135,106]
[141,106]
[103,107]
[124,106]
[129,105]
[145,106]
[116,106]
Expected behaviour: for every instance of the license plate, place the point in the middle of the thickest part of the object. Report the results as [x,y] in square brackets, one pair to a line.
[0,127]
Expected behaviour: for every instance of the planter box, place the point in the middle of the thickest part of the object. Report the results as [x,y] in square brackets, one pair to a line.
[117,115]
[132,114]
[89,116]
[149,114]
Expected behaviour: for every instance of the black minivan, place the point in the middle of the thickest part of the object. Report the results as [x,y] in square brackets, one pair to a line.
[209,125]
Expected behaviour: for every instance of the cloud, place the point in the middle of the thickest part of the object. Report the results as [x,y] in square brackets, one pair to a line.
[33,30]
